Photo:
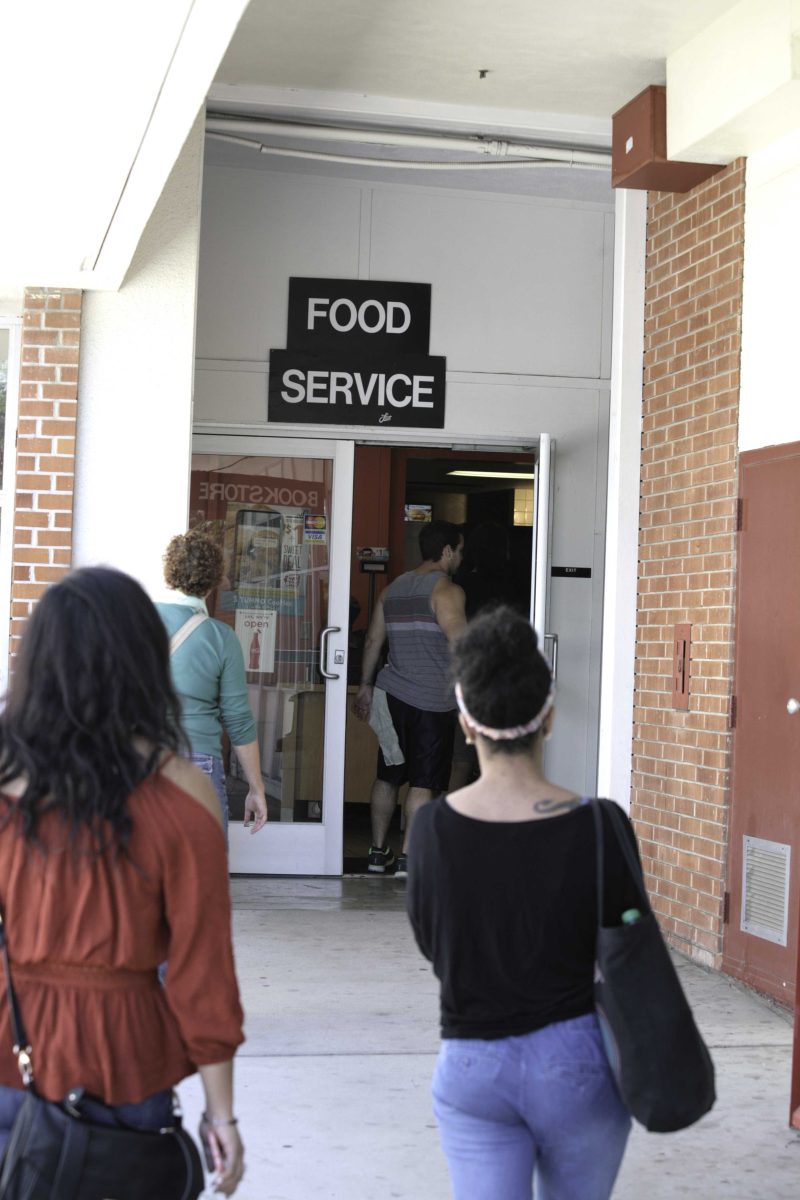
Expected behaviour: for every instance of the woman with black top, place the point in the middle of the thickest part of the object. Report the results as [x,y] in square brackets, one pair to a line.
[502,899]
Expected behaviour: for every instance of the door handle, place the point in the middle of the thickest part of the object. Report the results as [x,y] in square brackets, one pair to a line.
[552,637]
[792,706]
[323,651]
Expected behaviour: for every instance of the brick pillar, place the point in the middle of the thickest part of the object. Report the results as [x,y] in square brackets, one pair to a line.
[45,447]
[681,760]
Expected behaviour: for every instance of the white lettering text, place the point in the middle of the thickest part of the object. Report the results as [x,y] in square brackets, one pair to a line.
[343,326]
[371,315]
[293,379]
[316,308]
[390,391]
[422,386]
[341,384]
[391,327]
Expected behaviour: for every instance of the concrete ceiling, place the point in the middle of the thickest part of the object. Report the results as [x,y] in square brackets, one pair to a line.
[584,57]
[555,71]
[131,84]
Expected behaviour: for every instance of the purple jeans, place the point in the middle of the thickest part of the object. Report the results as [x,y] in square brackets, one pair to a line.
[540,1107]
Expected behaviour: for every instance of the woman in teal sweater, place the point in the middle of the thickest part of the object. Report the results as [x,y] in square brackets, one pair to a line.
[208,673]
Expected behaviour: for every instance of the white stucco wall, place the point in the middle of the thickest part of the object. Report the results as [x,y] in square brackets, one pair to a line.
[12,297]
[731,89]
[769,412]
[622,521]
[135,389]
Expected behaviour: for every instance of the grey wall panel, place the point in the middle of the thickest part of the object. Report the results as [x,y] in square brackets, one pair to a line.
[517,285]
[567,758]
[258,229]
[229,394]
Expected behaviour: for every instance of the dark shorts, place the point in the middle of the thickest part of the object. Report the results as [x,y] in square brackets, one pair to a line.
[426,739]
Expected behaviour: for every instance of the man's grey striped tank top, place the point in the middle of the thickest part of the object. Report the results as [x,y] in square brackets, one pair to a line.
[418,670]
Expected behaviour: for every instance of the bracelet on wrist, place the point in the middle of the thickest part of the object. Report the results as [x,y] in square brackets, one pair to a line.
[219,1122]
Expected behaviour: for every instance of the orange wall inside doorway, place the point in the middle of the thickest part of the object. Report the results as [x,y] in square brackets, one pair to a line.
[371,508]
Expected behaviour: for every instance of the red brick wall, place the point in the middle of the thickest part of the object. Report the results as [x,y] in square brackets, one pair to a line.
[681,759]
[45,447]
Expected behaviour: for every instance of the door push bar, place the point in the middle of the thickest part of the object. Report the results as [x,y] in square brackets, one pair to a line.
[553,656]
[323,651]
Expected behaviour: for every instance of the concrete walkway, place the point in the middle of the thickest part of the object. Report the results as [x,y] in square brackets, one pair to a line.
[333,1081]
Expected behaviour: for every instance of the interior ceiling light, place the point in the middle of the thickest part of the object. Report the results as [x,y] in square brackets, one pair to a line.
[495,474]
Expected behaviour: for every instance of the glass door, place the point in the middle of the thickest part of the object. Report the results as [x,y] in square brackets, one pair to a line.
[282,510]
[541,567]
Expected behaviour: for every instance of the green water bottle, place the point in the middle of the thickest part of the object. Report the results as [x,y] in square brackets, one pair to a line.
[631,916]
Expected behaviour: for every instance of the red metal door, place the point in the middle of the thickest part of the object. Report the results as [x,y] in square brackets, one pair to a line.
[764,844]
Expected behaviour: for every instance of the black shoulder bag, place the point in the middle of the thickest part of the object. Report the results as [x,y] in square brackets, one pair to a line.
[54,1153]
[661,1064]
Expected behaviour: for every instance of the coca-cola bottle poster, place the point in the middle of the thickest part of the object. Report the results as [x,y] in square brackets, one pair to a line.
[255,628]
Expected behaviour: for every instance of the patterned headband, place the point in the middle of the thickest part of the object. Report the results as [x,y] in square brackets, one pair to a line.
[515,731]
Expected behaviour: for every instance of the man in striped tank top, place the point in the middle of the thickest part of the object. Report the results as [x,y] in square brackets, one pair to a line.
[421,613]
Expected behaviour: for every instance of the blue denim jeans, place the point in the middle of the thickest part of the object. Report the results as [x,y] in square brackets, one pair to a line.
[152,1113]
[212,766]
[543,1106]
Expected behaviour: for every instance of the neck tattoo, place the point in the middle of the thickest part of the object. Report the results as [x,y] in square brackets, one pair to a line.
[548,807]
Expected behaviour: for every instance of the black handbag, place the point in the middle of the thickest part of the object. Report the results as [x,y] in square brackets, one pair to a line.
[661,1064]
[55,1153]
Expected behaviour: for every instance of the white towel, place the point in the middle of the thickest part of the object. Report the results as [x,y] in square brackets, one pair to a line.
[380,720]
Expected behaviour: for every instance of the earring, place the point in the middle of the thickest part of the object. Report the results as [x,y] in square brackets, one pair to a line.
[469,741]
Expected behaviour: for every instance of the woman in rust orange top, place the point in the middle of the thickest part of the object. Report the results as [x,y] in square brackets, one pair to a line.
[112,860]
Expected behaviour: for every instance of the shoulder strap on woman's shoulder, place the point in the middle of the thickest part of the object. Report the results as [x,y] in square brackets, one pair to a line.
[186,630]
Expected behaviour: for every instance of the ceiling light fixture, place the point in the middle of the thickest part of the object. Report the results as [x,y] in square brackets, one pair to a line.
[495,474]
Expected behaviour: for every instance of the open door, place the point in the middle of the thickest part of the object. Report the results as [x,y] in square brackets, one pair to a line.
[541,566]
[540,563]
[282,508]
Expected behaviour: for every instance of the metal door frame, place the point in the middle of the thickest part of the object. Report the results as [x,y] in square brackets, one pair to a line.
[300,848]
[318,849]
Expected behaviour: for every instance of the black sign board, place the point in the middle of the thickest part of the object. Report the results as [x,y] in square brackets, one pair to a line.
[345,389]
[571,572]
[365,318]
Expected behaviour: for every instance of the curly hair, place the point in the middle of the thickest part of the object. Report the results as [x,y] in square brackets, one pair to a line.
[193,563]
[504,678]
[91,676]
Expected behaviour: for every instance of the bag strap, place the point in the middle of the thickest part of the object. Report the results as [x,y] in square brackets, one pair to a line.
[628,853]
[599,850]
[186,630]
[22,1049]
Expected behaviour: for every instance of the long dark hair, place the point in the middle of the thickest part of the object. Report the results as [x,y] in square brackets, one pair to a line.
[92,674]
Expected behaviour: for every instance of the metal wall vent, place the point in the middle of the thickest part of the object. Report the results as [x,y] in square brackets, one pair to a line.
[765,889]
